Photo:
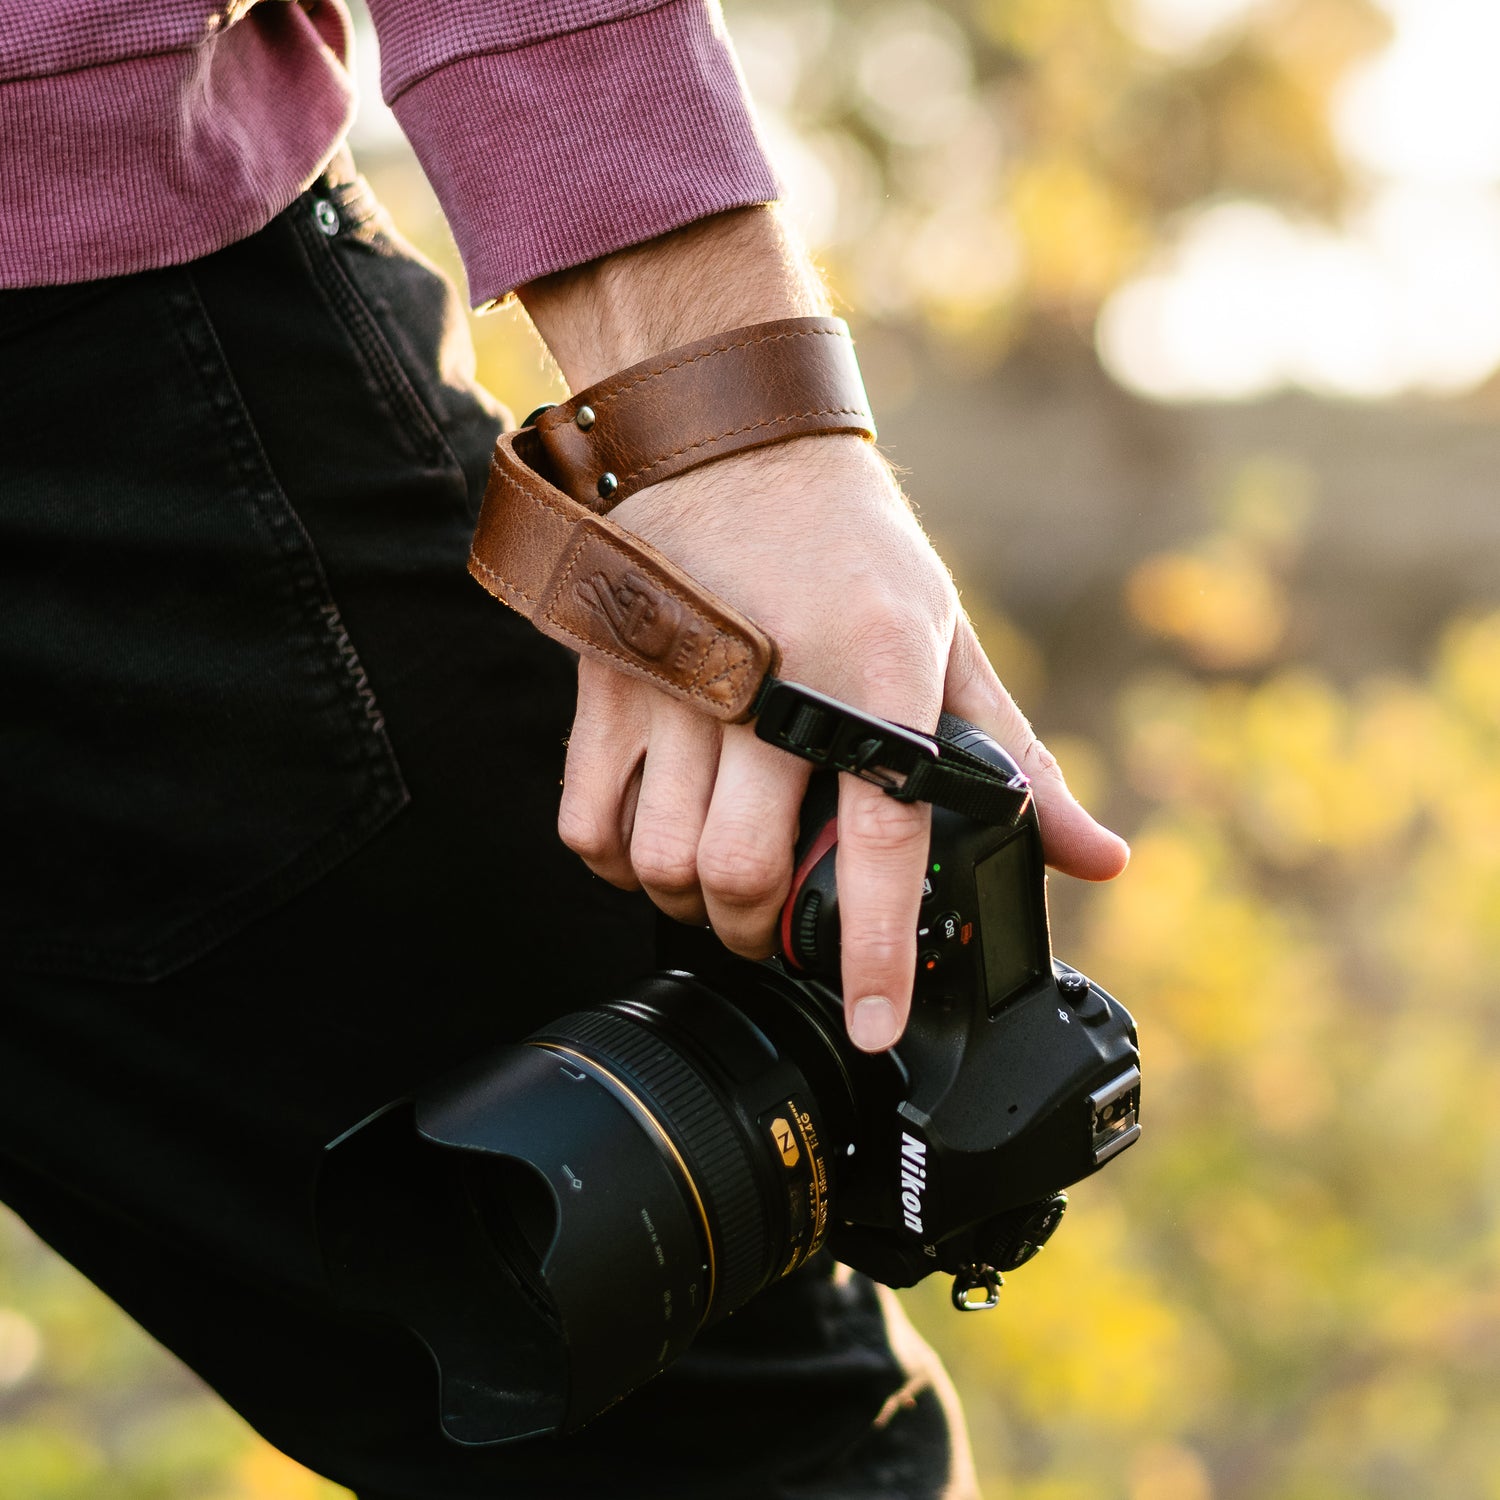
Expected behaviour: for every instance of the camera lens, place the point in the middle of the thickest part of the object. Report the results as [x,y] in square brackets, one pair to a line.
[693,1127]
[645,1167]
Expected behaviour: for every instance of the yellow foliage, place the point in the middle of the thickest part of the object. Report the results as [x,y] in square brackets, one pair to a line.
[1220,605]
[1168,1471]
[20,1346]
[1320,38]
[1469,670]
[1078,238]
[263,1473]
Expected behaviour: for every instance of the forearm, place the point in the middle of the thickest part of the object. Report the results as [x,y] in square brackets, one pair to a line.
[728,271]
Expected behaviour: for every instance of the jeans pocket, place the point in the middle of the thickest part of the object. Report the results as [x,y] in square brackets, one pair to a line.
[187,736]
[385,293]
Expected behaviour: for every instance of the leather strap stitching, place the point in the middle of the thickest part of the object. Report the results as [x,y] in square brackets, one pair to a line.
[499,581]
[603,392]
[562,507]
[796,416]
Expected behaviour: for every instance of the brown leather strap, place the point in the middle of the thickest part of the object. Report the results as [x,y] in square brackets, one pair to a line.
[590,584]
[793,378]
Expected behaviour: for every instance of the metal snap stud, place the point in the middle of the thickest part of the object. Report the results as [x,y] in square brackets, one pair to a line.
[326,215]
[584,418]
[608,484]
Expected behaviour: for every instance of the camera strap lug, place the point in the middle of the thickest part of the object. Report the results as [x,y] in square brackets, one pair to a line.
[974,1279]
[903,763]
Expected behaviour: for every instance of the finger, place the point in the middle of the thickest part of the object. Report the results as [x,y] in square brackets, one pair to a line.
[601,778]
[745,854]
[1074,842]
[882,853]
[676,785]
[882,849]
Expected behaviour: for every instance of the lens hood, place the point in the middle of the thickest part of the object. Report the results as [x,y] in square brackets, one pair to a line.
[495,1215]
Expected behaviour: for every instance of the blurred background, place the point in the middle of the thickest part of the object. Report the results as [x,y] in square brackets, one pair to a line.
[1184,318]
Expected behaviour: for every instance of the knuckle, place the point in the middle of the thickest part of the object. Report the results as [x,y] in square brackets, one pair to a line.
[892,648]
[585,829]
[880,946]
[1041,758]
[894,659]
[665,859]
[874,823]
[741,870]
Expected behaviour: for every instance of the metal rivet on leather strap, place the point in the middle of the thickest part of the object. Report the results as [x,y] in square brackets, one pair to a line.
[608,484]
[584,419]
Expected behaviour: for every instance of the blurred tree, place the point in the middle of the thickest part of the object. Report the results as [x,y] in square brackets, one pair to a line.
[1291,1288]
[995,168]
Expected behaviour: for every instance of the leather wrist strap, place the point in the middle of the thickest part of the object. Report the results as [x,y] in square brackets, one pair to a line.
[587,582]
[796,377]
[544,547]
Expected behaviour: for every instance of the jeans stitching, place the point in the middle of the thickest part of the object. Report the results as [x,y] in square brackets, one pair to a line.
[321,645]
[390,383]
[312,595]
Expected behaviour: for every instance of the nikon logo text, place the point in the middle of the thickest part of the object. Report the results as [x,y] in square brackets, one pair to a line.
[913,1180]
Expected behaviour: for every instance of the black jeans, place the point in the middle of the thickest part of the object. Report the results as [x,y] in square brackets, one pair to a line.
[277,789]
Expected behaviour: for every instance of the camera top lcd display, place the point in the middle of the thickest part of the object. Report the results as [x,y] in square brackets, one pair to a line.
[1012,928]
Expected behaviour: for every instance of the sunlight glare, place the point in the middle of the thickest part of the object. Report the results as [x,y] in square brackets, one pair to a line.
[1428,106]
[1403,296]
[1181,28]
[1247,301]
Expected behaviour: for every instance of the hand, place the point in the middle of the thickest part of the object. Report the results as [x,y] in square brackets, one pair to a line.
[814,542]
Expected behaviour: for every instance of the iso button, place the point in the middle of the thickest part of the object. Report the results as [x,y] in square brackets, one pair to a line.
[948,928]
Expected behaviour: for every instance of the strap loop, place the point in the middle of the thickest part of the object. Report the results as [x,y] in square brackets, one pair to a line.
[795,377]
[589,583]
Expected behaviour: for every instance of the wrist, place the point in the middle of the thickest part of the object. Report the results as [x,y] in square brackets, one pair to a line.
[766,503]
[729,271]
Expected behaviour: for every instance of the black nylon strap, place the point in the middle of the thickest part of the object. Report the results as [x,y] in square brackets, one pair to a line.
[965,784]
[905,764]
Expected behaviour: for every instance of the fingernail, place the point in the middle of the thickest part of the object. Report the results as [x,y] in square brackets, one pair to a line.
[872,1026]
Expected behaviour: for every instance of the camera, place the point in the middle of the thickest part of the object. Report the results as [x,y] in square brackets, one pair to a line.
[558,1220]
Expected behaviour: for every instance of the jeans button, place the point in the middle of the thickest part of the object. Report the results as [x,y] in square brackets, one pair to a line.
[326,215]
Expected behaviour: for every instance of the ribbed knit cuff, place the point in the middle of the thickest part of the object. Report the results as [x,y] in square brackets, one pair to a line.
[554,154]
[154,160]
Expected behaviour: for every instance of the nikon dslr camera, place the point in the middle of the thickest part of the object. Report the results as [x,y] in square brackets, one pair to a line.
[558,1221]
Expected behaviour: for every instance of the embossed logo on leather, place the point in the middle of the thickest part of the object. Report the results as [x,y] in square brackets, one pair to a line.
[616,598]
[642,619]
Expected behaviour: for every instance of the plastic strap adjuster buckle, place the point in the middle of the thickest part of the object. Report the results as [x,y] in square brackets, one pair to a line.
[833,735]
[903,763]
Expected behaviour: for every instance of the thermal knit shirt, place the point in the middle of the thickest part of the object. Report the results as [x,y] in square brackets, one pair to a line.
[136,135]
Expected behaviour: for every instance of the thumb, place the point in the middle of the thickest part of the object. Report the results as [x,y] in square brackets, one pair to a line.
[1073,841]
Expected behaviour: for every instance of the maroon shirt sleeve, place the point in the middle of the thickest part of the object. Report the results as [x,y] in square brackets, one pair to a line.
[556,131]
